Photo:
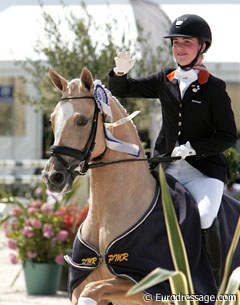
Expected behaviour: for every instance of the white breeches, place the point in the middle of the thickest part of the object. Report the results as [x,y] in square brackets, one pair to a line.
[206,191]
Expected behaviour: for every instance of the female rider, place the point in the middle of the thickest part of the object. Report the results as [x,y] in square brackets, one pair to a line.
[198,122]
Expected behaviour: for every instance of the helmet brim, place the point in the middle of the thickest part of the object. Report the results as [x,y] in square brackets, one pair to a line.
[178,35]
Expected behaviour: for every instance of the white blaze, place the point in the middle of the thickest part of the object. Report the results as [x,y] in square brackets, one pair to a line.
[63,115]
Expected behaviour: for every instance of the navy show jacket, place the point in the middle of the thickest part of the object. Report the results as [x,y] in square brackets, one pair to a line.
[203,117]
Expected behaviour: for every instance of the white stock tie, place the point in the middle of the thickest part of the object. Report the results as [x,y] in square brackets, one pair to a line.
[185,78]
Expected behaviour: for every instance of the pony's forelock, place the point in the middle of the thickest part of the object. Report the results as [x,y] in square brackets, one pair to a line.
[74,83]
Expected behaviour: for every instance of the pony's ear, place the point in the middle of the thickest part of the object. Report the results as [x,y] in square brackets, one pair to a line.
[59,81]
[86,79]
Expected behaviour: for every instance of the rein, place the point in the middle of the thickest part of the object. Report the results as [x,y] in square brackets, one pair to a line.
[84,156]
[152,159]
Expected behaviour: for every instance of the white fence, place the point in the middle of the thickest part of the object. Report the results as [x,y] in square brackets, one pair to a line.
[17,168]
[18,175]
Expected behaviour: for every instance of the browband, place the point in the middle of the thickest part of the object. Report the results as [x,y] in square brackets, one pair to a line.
[76,98]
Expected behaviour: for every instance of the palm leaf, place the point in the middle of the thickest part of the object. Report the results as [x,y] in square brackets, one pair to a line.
[228,263]
[175,238]
[155,277]
[232,288]
[178,284]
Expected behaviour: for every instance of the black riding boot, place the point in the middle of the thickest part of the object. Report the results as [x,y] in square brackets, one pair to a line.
[212,245]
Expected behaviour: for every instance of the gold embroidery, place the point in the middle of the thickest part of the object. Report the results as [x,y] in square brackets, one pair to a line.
[118,257]
[89,260]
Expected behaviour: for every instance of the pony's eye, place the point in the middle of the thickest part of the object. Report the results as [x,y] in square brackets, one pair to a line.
[81,120]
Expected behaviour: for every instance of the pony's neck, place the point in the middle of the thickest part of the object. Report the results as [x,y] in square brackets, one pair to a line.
[136,173]
[120,193]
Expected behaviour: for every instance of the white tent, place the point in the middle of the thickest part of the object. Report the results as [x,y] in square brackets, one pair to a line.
[21,26]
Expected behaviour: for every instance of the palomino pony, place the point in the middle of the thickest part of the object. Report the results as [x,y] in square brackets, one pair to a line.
[124,236]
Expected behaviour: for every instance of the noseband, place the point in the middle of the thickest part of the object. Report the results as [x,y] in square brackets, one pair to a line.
[81,155]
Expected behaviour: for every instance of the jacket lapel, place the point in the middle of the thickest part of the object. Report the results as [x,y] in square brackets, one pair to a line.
[192,90]
[173,86]
[195,87]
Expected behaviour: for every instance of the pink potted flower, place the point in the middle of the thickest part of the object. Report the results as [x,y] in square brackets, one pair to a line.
[39,234]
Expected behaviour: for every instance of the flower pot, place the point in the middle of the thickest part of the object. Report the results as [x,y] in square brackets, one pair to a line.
[64,280]
[63,284]
[42,278]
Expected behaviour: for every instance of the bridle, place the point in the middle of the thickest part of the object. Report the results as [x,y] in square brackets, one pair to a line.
[84,155]
[81,155]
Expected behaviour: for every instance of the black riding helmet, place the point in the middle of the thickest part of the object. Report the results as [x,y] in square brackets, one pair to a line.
[191,25]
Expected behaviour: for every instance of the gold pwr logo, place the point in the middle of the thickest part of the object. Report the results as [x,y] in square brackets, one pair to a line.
[89,260]
[118,257]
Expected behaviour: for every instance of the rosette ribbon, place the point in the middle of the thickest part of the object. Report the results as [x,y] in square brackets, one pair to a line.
[103,102]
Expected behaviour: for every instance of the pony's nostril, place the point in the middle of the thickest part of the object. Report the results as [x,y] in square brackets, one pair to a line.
[57,178]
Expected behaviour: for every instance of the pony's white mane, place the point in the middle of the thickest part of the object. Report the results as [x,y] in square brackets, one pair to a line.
[124,111]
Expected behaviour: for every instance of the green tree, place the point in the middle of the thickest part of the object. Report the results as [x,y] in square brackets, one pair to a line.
[68,57]
[232,157]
